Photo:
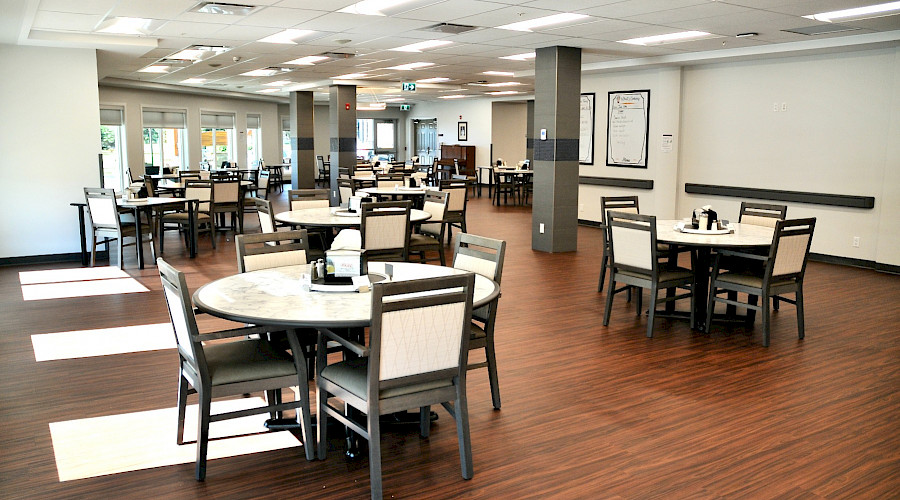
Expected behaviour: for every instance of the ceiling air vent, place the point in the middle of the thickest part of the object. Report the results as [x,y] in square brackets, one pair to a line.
[229,9]
[453,29]
[822,29]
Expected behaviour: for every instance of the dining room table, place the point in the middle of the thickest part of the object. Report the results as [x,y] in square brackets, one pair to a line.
[702,245]
[396,193]
[336,217]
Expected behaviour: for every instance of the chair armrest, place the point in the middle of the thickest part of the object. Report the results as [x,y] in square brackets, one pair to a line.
[235,332]
[355,348]
[743,255]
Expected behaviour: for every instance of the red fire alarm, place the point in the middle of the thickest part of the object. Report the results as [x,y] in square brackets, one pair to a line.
[347,106]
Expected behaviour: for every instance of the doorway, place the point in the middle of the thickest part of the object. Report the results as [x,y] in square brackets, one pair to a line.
[425,133]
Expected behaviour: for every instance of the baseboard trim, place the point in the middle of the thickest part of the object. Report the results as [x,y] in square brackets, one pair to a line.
[48,259]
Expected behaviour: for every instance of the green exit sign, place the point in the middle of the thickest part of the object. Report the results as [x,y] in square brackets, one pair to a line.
[409,86]
[404,107]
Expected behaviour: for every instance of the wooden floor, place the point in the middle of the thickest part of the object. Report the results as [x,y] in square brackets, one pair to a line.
[588,411]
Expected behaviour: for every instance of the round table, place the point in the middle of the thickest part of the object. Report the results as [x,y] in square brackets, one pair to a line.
[415,194]
[324,217]
[274,297]
[745,235]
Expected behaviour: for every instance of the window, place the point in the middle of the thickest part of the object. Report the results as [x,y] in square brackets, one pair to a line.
[164,139]
[254,141]
[216,139]
[376,138]
[111,144]
[286,139]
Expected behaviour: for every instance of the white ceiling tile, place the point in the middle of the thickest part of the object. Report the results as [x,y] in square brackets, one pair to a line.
[191,30]
[81,7]
[277,17]
[451,10]
[506,15]
[631,8]
[156,9]
[65,21]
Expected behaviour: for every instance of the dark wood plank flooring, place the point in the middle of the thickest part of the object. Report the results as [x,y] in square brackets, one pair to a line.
[588,411]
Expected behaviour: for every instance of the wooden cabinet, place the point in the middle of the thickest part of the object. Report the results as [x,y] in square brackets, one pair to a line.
[464,155]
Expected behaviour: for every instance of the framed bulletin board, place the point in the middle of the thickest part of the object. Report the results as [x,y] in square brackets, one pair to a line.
[586,137]
[628,128]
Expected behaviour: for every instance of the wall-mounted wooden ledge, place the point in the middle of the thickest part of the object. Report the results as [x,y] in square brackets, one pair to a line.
[617,182]
[834,200]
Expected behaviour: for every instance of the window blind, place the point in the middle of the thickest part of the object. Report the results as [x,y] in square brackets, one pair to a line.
[285,124]
[111,117]
[252,121]
[163,119]
[216,121]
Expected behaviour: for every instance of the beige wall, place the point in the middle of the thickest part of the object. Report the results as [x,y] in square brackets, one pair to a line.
[508,127]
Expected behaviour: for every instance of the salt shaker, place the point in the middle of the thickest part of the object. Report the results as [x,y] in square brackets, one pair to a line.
[320,268]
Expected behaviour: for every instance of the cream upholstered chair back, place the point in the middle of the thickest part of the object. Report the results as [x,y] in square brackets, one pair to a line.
[627,204]
[436,205]
[346,189]
[266,218]
[178,302]
[226,191]
[761,214]
[204,175]
[790,246]
[632,240]
[200,190]
[480,255]
[302,199]
[266,250]
[385,225]
[262,181]
[101,205]
[389,181]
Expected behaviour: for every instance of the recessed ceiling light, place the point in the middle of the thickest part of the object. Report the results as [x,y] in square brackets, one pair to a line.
[194,80]
[543,21]
[452,96]
[499,84]
[349,76]
[155,68]
[301,86]
[868,12]
[684,36]
[308,60]
[265,72]
[420,46]
[373,7]
[199,52]
[279,83]
[269,91]
[395,99]
[287,36]
[520,57]
[411,66]
[437,79]
[503,92]
[229,9]
[498,73]
[127,26]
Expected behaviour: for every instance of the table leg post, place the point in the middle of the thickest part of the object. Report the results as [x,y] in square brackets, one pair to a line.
[139,237]
[192,217]
[701,287]
[82,232]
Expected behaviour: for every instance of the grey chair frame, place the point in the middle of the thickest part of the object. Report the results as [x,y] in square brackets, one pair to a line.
[412,391]
[114,230]
[772,286]
[385,209]
[608,203]
[263,209]
[195,376]
[653,279]
[180,217]
[235,208]
[421,242]
[485,317]
[455,218]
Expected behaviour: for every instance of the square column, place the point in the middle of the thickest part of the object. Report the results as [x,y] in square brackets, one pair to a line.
[529,130]
[342,113]
[303,158]
[557,91]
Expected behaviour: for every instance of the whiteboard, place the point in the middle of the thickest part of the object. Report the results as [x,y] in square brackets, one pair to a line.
[586,136]
[627,128]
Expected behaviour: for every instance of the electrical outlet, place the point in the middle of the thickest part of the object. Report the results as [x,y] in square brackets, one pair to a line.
[541,228]
[784,106]
[856,242]
[775,107]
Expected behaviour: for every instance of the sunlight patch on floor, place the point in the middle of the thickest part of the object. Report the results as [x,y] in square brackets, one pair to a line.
[76,274]
[115,444]
[102,342]
[71,289]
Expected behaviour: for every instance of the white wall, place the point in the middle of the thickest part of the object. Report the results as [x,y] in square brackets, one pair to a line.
[134,100]
[508,132]
[49,146]
[838,135]
[477,114]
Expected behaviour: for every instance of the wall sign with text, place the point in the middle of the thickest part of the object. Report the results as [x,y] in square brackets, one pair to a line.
[627,128]
[586,138]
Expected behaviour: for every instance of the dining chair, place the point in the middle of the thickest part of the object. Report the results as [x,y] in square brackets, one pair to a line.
[783,271]
[761,214]
[106,222]
[456,206]
[384,230]
[301,199]
[200,190]
[634,261]
[228,201]
[216,369]
[430,235]
[263,184]
[346,188]
[257,251]
[324,173]
[266,217]
[525,185]
[627,204]
[389,181]
[504,184]
[483,256]
[416,357]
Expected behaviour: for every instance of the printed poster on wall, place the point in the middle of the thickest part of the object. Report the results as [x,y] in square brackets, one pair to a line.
[627,128]
[586,138]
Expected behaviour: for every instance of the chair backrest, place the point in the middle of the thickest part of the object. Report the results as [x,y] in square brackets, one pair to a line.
[262,182]
[151,170]
[102,208]
[479,254]
[181,313]
[435,204]
[458,195]
[384,228]
[632,241]
[150,187]
[266,217]
[226,191]
[183,176]
[419,331]
[201,190]
[266,250]
[302,199]
[205,175]
[790,248]
[346,188]
[389,180]
[627,204]
[761,214]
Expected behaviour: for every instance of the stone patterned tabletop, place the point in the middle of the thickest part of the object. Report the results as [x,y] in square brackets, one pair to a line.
[745,235]
[323,217]
[274,297]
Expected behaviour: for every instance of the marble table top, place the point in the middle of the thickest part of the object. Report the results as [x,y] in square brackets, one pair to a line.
[389,191]
[323,217]
[745,235]
[274,297]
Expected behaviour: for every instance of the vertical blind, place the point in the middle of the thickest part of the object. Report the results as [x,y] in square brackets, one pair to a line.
[163,119]
[209,120]
[285,124]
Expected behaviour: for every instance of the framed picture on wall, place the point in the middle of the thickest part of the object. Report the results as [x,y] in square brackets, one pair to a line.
[627,128]
[462,131]
[586,137]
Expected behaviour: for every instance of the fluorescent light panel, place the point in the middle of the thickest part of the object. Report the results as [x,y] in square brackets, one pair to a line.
[126,26]
[543,22]
[265,72]
[683,36]
[412,66]
[154,68]
[269,91]
[498,84]
[350,76]
[503,92]
[498,73]
[437,79]
[868,12]
[372,7]
[279,83]
[420,46]
[287,36]
[194,80]
[453,96]
[308,60]
[520,57]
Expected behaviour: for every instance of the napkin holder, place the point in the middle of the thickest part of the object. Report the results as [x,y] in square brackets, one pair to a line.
[705,219]
[342,265]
